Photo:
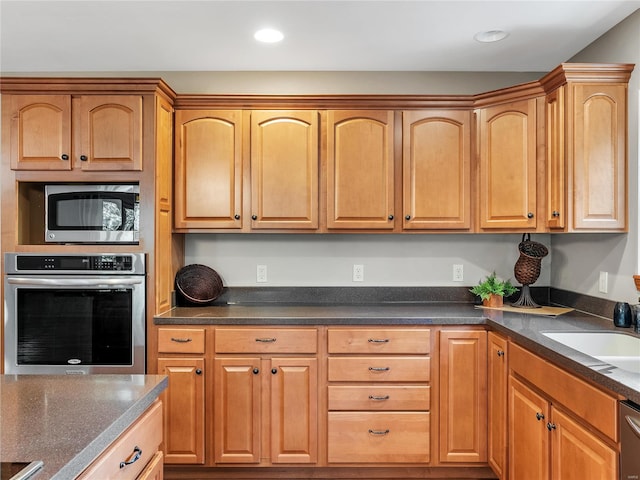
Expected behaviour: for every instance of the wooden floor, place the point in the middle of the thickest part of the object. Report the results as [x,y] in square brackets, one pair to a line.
[328,473]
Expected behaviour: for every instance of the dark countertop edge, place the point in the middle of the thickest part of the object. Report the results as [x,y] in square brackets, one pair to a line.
[563,356]
[91,452]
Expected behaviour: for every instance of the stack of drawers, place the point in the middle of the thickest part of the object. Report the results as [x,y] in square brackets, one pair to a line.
[378,395]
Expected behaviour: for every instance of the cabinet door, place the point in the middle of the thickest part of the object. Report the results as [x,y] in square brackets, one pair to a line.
[556,159]
[578,454]
[284,169]
[497,403]
[436,169]
[508,165]
[183,409]
[208,169]
[599,166]
[40,132]
[360,169]
[528,434]
[237,410]
[109,132]
[294,410]
[463,397]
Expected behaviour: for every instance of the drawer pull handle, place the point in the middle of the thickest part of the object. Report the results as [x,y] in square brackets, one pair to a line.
[379,432]
[379,369]
[181,340]
[378,340]
[137,453]
[265,340]
[379,397]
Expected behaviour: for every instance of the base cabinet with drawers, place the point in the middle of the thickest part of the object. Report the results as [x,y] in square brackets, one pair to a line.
[378,395]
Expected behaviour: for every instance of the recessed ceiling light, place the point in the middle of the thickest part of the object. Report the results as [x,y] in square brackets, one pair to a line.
[491,36]
[268,35]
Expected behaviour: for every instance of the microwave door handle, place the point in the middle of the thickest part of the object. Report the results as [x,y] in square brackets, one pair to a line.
[75,282]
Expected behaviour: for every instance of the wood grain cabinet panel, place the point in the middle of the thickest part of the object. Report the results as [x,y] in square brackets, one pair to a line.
[463,399]
[184,409]
[556,159]
[284,169]
[360,169]
[266,340]
[379,369]
[436,169]
[208,169]
[379,340]
[497,368]
[508,165]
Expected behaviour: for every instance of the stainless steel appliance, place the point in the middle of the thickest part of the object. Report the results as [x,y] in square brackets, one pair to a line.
[79,213]
[74,313]
[629,441]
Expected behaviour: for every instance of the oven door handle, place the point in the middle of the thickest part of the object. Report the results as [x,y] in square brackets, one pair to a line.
[76,282]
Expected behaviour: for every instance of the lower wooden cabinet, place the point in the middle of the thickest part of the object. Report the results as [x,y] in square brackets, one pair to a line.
[497,375]
[134,455]
[546,439]
[463,399]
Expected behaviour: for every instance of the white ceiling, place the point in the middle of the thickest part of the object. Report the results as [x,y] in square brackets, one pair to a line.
[210,35]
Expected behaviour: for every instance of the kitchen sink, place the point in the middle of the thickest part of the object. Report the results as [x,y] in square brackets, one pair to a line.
[617,349]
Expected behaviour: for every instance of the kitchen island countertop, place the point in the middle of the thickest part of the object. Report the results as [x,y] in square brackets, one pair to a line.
[66,421]
[524,328]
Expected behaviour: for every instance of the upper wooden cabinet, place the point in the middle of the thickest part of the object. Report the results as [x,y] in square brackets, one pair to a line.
[360,169]
[507,136]
[86,132]
[587,151]
[436,169]
[284,169]
[208,169]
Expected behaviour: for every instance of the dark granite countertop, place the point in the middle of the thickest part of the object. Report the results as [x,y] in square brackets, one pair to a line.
[67,420]
[522,327]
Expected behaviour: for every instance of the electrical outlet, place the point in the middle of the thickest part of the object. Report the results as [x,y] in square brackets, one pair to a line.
[458,273]
[603,282]
[261,274]
[358,273]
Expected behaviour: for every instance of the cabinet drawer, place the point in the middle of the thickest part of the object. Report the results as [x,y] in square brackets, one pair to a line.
[146,434]
[596,407]
[376,341]
[377,437]
[181,340]
[386,397]
[266,340]
[379,369]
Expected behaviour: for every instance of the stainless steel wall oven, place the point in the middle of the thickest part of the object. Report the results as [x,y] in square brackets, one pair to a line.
[74,313]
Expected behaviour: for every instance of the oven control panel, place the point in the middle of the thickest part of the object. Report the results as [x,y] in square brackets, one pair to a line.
[98,264]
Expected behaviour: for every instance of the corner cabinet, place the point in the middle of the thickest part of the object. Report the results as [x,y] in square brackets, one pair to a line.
[436,169]
[508,165]
[360,169]
[497,375]
[85,132]
[586,157]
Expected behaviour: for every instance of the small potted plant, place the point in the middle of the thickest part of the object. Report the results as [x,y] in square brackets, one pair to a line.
[492,290]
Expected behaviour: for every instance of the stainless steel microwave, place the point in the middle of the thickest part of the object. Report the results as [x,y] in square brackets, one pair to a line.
[83,213]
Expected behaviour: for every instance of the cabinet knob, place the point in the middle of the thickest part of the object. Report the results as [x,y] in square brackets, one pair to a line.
[236,216]
[84,158]
[551,426]
[254,217]
[274,370]
[64,156]
[539,416]
[500,353]
[390,217]
[198,371]
[555,213]
[530,215]
[407,217]
[256,371]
